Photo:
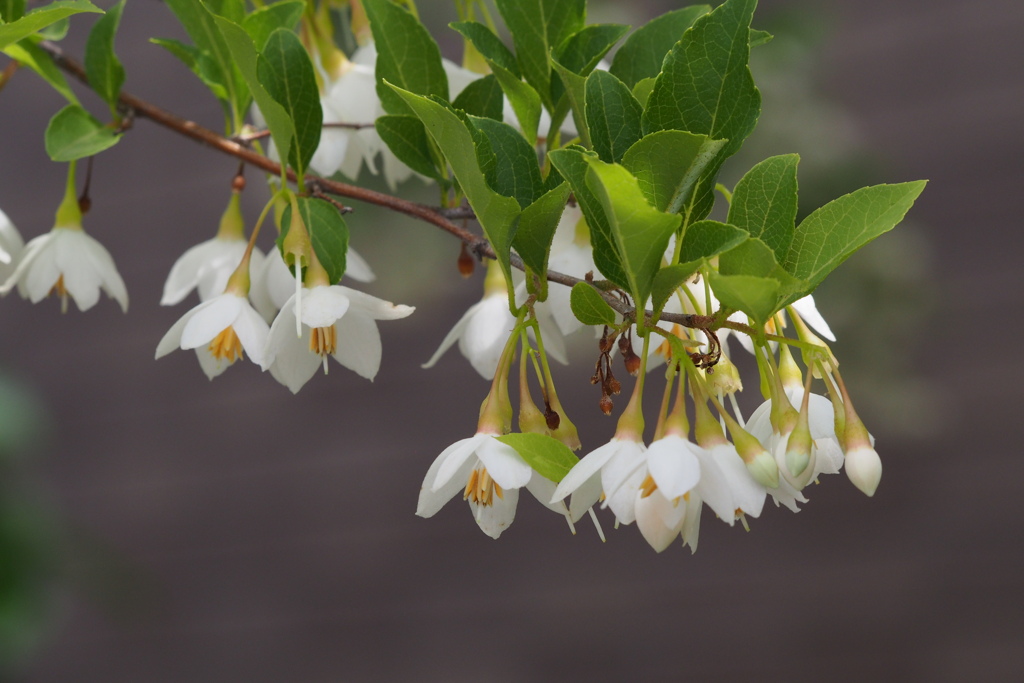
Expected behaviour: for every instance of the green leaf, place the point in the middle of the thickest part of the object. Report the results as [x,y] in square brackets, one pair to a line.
[831,234]
[286,73]
[407,56]
[754,258]
[73,133]
[549,457]
[537,27]
[641,232]
[482,97]
[36,20]
[261,23]
[589,306]
[642,90]
[516,173]
[758,37]
[232,10]
[11,10]
[575,92]
[583,50]
[536,229]
[702,241]
[327,231]
[705,87]
[643,52]
[571,163]
[758,297]
[764,202]
[496,213]
[245,56]
[524,100]
[488,45]
[27,53]
[407,138]
[613,116]
[668,164]
[102,67]
[56,31]
[214,58]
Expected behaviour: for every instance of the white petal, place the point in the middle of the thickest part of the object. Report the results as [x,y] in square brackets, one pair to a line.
[584,497]
[495,518]
[357,268]
[359,347]
[280,330]
[673,466]
[542,489]
[323,306]
[210,320]
[185,273]
[430,501]
[172,340]
[81,278]
[211,366]
[809,312]
[453,458]
[588,466]
[504,464]
[691,524]
[252,331]
[452,336]
[650,520]
[378,309]
[485,335]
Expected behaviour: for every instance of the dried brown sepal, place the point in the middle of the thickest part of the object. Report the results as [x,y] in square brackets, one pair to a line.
[466,262]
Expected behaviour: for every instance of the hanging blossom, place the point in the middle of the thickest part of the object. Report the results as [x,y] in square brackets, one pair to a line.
[571,253]
[67,262]
[331,320]
[11,246]
[484,328]
[207,266]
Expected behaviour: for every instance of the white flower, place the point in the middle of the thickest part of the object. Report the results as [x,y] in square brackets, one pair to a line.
[864,468]
[66,261]
[490,474]
[570,254]
[206,268]
[273,283]
[11,245]
[806,309]
[615,470]
[219,330]
[335,321]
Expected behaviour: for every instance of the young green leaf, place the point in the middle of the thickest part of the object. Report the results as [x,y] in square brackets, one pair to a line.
[482,97]
[488,45]
[516,173]
[575,97]
[537,27]
[613,116]
[102,67]
[286,73]
[242,49]
[583,50]
[589,306]
[327,231]
[758,297]
[705,87]
[496,213]
[407,138]
[407,56]
[262,22]
[524,100]
[536,229]
[831,234]
[549,457]
[702,241]
[38,19]
[73,133]
[764,202]
[11,10]
[27,53]
[753,258]
[641,232]
[571,163]
[643,52]
[668,165]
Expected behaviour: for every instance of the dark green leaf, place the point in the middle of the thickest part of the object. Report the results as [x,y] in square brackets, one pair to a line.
[537,27]
[103,68]
[327,232]
[482,97]
[764,202]
[73,133]
[536,229]
[232,10]
[261,23]
[549,457]
[641,232]
[668,165]
[613,116]
[286,73]
[488,45]
[753,258]
[56,31]
[758,37]
[831,234]
[27,53]
[583,50]
[245,56]
[575,95]
[705,87]
[524,100]
[642,90]
[407,56]
[707,239]
[11,10]
[758,297]
[571,162]
[589,306]
[407,138]
[516,173]
[496,213]
[39,19]
[643,52]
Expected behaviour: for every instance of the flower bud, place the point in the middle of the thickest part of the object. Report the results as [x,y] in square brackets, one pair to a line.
[466,264]
[763,469]
[864,468]
[606,404]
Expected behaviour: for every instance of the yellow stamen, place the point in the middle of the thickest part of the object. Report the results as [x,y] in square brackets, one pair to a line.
[226,346]
[61,291]
[323,340]
[647,487]
[481,488]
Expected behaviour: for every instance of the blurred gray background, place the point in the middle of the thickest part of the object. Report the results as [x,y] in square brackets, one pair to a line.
[160,527]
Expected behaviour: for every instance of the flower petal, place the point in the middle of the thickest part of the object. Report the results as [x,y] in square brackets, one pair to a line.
[673,466]
[211,366]
[252,331]
[210,319]
[588,466]
[452,336]
[359,347]
[453,457]
[323,306]
[650,519]
[504,464]
[185,273]
[495,518]
[378,309]
[809,312]
[357,268]
[430,501]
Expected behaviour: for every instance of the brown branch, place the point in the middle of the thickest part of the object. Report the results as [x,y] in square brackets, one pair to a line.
[440,218]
